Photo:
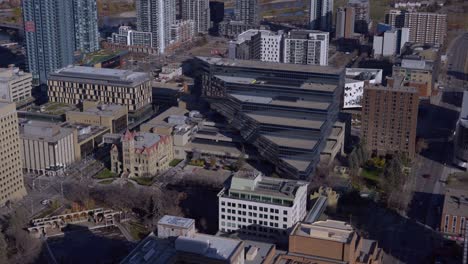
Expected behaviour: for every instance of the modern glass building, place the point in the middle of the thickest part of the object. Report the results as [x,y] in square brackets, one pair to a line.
[286,112]
[54,30]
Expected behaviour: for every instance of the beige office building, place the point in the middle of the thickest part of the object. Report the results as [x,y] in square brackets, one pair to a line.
[75,84]
[114,117]
[11,178]
[15,85]
[47,148]
[142,154]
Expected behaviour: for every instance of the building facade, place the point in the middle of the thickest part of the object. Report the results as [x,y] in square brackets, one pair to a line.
[247,11]
[306,47]
[287,112]
[330,242]
[50,43]
[460,157]
[11,182]
[390,42]
[129,37]
[389,118]
[254,44]
[73,85]
[114,117]
[47,148]
[356,79]
[345,17]
[156,17]
[199,12]
[86,25]
[362,15]
[15,85]
[416,69]
[320,14]
[142,154]
[455,212]
[183,31]
[424,28]
[261,206]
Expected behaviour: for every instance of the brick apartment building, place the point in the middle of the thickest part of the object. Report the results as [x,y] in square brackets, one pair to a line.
[389,118]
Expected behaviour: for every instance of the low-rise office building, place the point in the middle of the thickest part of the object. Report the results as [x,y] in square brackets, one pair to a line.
[142,154]
[286,112]
[75,84]
[179,243]
[416,69]
[112,116]
[330,242]
[455,212]
[261,206]
[15,85]
[47,148]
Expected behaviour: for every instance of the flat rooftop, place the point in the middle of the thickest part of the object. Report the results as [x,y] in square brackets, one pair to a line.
[291,142]
[82,72]
[264,118]
[299,164]
[211,247]
[271,65]
[456,201]
[110,110]
[176,221]
[43,131]
[331,230]
[161,118]
[262,81]
[143,140]
[262,98]
[248,181]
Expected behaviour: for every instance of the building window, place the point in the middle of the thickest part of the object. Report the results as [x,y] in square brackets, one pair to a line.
[454,224]
[462,225]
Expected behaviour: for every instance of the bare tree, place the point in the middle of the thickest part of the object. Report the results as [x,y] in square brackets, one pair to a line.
[26,248]
[3,249]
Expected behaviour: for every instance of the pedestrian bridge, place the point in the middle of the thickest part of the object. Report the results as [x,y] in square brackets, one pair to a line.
[99,216]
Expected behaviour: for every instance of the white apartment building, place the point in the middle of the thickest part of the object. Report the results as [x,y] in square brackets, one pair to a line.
[391,42]
[254,44]
[15,85]
[306,47]
[156,16]
[129,37]
[47,148]
[270,46]
[261,206]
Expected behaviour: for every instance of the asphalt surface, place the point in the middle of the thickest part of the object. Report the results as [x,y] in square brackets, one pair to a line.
[458,64]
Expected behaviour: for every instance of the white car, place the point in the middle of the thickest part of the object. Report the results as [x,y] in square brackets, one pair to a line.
[45,202]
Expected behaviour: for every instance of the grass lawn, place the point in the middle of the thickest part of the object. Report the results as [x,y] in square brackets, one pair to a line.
[175,162]
[107,181]
[146,181]
[105,174]
[137,231]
